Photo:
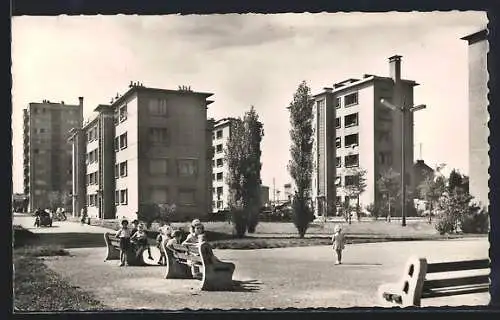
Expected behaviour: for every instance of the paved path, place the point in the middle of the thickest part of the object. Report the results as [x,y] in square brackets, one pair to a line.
[268,278]
[301,277]
[27,221]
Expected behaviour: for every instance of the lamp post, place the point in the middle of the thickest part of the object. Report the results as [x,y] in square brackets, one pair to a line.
[404,111]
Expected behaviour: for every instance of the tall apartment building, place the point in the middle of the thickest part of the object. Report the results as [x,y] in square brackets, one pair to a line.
[47,159]
[220,135]
[478,116]
[159,153]
[353,130]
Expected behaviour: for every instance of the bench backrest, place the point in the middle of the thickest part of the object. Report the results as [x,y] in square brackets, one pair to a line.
[457,285]
[111,239]
[416,285]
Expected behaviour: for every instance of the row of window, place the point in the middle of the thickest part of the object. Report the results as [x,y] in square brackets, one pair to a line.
[384,157]
[217,177]
[349,180]
[349,161]
[185,197]
[219,148]
[92,156]
[92,178]
[121,142]
[121,169]
[156,107]
[92,134]
[349,100]
[121,197]
[218,204]
[217,135]
[350,141]
[92,200]
[218,163]
[185,167]
[350,120]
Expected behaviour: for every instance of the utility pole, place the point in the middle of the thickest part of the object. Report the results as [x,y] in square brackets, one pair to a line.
[274,192]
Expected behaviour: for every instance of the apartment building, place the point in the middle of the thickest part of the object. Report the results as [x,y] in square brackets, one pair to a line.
[94,178]
[354,131]
[478,116]
[47,160]
[220,190]
[149,146]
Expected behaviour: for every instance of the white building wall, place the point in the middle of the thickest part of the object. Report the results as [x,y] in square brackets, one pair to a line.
[220,203]
[129,154]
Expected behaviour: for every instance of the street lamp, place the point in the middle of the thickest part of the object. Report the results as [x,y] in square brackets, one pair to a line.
[403,110]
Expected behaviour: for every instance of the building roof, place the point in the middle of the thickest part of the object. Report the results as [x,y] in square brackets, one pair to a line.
[136,89]
[352,83]
[421,165]
[476,36]
[224,121]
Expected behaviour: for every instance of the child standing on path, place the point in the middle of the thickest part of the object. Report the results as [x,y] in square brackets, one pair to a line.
[124,235]
[338,240]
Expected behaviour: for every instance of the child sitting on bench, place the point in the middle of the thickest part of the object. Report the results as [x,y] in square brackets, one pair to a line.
[141,238]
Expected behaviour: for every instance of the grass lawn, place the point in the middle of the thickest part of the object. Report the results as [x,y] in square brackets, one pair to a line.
[37,288]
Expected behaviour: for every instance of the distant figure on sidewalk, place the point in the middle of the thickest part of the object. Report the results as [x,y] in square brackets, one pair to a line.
[124,235]
[338,241]
[83,214]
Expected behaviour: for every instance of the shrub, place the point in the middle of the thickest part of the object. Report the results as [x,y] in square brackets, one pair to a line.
[374,210]
[445,223]
[475,221]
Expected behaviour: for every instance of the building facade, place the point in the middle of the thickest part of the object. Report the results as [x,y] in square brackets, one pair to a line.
[47,159]
[478,116]
[145,149]
[220,190]
[354,131]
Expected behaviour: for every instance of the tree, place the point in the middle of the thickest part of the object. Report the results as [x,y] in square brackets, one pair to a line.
[234,153]
[243,154]
[355,189]
[301,163]
[431,189]
[454,180]
[454,206]
[251,167]
[389,186]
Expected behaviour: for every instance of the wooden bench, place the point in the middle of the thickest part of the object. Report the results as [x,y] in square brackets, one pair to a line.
[216,274]
[135,254]
[416,284]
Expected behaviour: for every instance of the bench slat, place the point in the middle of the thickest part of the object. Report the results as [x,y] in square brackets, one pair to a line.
[458,266]
[460,291]
[456,282]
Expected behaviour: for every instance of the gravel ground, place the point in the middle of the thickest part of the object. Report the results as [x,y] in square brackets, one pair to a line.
[268,278]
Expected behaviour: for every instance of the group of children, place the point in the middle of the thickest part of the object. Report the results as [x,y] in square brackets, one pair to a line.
[168,237]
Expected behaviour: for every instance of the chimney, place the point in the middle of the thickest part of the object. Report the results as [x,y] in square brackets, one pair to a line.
[81,101]
[327,89]
[395,68]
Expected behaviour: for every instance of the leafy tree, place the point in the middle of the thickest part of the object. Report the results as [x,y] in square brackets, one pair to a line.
[243,155]
[431,189]
[301,163]
[251,167]
[234,153]
[453,206]
[389,186]
[374,210]
[356,189]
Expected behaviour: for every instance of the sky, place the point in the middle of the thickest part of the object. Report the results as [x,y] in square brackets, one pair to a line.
[250,60]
